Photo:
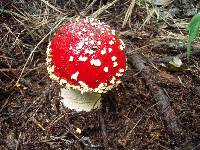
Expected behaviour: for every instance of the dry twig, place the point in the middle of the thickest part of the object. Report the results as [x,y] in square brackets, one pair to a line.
[102,9]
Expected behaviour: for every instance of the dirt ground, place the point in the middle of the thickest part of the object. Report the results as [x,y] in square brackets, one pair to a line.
[157,106]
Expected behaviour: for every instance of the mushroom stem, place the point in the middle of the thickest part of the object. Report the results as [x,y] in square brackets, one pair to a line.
[74,99]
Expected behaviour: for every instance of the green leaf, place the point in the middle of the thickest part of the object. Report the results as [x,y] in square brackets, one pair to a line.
[193,28]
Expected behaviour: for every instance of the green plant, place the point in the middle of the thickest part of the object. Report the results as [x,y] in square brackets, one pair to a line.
[193,29]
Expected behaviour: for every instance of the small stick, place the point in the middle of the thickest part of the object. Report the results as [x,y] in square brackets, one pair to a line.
[102,9]
[103,129]
[37,123]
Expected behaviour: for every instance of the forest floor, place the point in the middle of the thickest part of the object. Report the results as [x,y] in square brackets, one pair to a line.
[157,106]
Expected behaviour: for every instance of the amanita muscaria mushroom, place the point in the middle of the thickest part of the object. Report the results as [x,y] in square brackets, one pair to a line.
[88,59]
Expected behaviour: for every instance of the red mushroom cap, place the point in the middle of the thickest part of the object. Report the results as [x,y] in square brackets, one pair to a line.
[86,55]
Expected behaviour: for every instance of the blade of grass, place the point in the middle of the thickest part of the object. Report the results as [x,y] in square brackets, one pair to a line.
[193,29]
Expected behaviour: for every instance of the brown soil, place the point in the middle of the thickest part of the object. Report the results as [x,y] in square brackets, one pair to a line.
[155,107]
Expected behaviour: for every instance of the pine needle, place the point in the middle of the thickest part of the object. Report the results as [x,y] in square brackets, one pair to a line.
[128,13]
[41,41]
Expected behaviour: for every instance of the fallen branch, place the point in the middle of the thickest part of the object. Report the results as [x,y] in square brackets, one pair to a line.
[158,93]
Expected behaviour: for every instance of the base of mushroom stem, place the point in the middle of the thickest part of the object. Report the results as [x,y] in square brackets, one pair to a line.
[73,99]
